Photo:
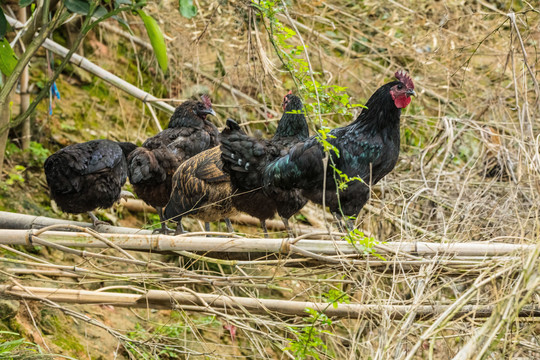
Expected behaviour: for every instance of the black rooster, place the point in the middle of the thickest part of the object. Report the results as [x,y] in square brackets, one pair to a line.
[245,159]
[84,177]
[201,189]
[367,148]
[152,166]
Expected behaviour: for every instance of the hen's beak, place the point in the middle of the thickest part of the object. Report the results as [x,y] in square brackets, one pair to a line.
[209,112]
[411,92]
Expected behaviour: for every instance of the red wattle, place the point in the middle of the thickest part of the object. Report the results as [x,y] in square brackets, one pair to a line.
[402,101]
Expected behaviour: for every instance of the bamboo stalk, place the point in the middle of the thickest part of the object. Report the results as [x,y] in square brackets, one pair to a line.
[165,243]
[10,220]
[103,74]
[25,96]
[177,299]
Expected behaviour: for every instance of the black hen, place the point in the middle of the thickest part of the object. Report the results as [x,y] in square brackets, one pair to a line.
[84,177]
[152,166]
[367,148]
[245,159]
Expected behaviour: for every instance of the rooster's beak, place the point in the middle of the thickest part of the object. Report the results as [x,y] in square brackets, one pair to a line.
[209,112]
[411,92]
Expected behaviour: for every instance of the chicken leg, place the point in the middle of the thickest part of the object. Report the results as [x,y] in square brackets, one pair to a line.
[164,229]
[287,227]
[344,226]
[179,227]
[229,225]
[265,230]
[95,220]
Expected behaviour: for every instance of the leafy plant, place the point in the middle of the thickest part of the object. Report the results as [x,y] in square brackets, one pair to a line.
[336,296]
[15,348]
[309,338]
[187,9]
[163,333]
[325,98]
[15,175]
[38,154]
[363,244]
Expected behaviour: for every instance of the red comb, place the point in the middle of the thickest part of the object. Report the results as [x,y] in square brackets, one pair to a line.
[404,78]
[290,92]
[206,100]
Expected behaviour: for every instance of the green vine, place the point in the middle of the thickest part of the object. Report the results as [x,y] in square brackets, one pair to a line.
[321,99]
[309,338]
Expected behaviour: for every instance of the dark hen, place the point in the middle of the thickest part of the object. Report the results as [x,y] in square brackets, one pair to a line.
[152,166]
[245,159]
[84,177]
[367,148]
[201,189]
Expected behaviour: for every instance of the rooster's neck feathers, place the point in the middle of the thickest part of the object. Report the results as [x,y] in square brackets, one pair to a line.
[380,113]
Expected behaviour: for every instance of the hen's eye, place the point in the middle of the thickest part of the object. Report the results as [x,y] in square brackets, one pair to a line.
[400,86]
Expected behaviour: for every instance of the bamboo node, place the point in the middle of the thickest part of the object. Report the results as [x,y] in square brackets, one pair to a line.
[28,237]
[285,247]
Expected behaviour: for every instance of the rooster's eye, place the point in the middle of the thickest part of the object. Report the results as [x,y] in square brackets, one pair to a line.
[400,86]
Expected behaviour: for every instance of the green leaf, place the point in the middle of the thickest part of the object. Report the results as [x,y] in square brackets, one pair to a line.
[25,3]
[8,59]
[156,39]
[77,6]
[117,3]
[123,23]
[3,24]
[187,9]
[100,12]
[11,345]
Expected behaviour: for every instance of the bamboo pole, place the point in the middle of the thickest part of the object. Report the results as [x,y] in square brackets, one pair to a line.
[10,220]
[160,299]
[166,243]
[24,95]
[103,74]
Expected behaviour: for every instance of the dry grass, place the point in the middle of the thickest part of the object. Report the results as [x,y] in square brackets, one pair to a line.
[469,170]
